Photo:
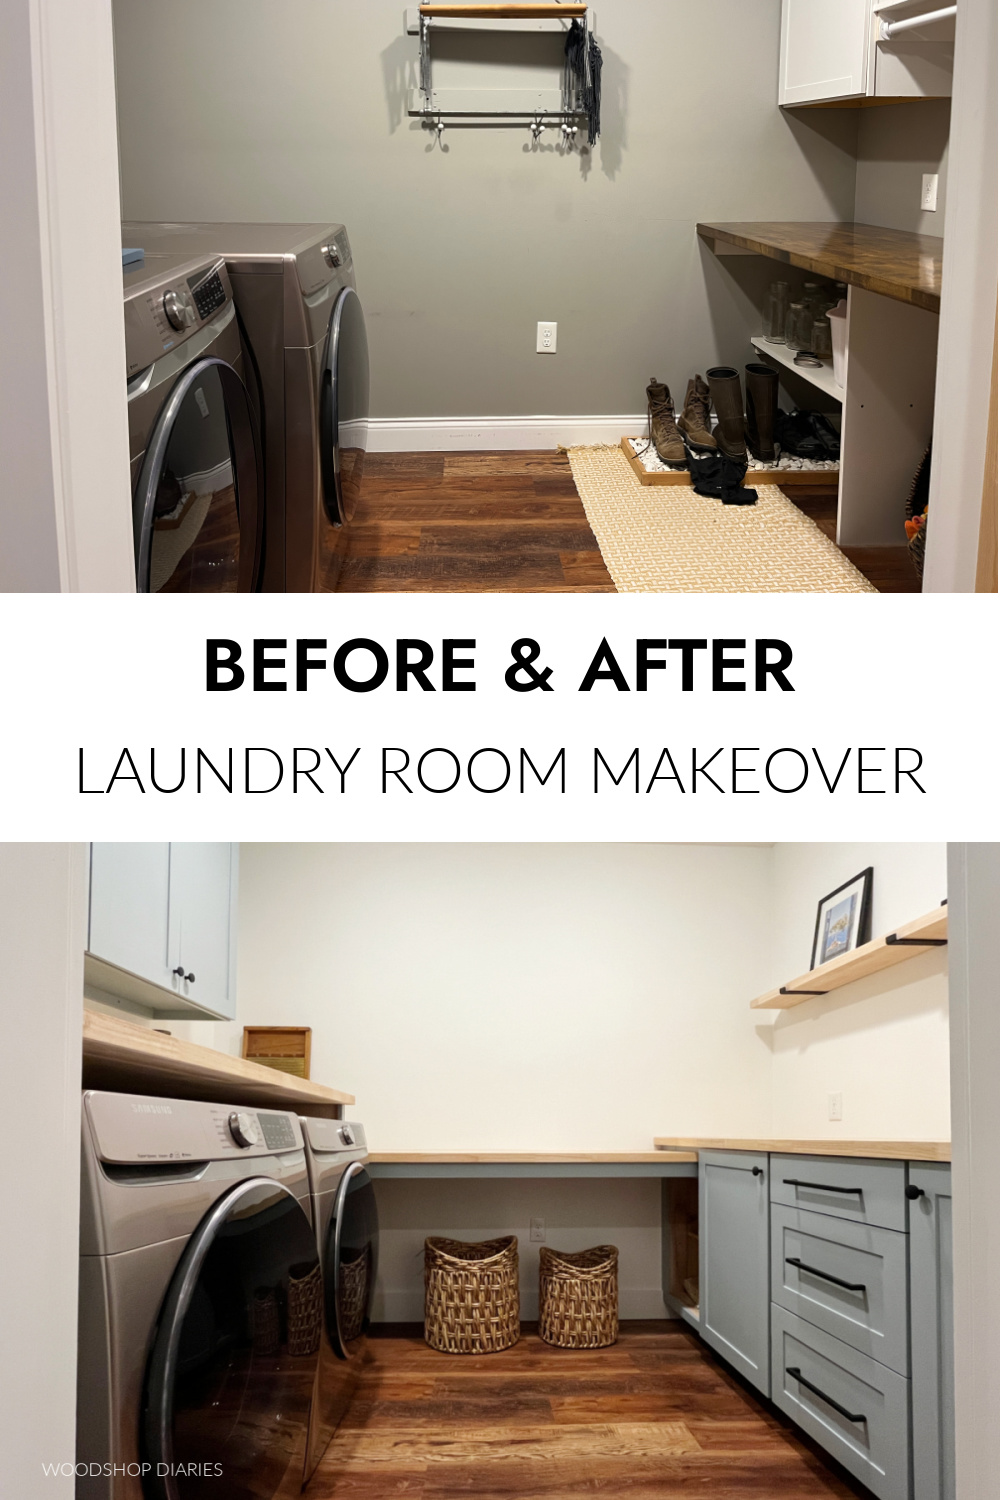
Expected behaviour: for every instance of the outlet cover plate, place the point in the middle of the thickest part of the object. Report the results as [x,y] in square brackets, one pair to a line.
[548,335]
[929,193]
[536,1231]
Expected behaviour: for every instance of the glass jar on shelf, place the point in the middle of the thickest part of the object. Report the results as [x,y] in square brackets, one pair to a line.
[775,312]
[799,326]
[822,342]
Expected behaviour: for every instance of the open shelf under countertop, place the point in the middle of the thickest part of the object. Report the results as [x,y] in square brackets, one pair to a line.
[521,1164]
[933,1151]
[120,1056]
[821,378]
[893,262]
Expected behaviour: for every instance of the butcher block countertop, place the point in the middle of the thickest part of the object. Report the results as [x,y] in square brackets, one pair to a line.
[473,1158]
[129,1059]
[883,1150]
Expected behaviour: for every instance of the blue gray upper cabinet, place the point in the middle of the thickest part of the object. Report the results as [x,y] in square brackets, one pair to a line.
[932,1333]
[733,1213]
[162,930]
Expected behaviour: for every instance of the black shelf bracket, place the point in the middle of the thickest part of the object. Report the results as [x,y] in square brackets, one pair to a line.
[785,991]
[892,941]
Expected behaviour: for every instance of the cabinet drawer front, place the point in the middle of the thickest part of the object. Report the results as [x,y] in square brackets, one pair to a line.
[866,1192]
[849,1279]
[851,1405]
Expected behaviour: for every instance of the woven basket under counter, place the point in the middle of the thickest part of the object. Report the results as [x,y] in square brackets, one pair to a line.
[305,1308]
[578,1298]
[471,1296]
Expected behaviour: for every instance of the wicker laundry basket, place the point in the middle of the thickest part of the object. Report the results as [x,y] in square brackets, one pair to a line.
[471,1296]
[353,1294]
[305,1308]
[578,1298]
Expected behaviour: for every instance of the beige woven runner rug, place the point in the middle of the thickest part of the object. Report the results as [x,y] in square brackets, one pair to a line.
[665,539]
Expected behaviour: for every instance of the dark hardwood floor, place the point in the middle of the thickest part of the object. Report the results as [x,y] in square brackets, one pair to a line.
[512,523]
[656,1417]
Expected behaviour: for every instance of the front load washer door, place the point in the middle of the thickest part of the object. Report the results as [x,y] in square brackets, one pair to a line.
[351,1261]
[230,1377]
[197,510]
[344,408]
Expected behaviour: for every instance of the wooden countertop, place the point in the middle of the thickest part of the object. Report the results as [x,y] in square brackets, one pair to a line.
[130,1059]
[469,1158]
[883,1150]
[892,262]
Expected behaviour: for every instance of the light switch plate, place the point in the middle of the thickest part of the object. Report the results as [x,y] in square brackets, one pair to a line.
[836,1106]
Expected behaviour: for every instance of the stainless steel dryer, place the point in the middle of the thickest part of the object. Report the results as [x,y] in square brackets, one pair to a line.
[346,1220]
[197,479]
[304,327]
[200,1302]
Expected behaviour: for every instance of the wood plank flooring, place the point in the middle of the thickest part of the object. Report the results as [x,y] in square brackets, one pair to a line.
[511,523]
[656,1417]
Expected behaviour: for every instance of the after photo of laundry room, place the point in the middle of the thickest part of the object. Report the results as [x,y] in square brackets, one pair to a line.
[629,297]
[505,1169]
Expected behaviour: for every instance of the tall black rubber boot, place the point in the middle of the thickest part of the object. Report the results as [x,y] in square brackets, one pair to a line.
[727,398]
[762,411]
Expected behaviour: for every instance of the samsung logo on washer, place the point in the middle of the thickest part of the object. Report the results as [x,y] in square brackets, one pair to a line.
[152,1109]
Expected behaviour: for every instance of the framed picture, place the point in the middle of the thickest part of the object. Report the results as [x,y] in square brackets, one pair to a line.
[843,919]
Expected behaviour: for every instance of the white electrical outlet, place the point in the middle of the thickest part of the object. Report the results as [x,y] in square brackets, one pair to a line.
[835,1103]
[537,1231]
[547,337]
[928,195]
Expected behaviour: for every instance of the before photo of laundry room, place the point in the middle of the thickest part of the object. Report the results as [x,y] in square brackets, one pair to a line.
[634,297]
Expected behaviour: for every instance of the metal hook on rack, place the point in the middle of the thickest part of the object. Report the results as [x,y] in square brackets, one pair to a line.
[537,126]
[570,133]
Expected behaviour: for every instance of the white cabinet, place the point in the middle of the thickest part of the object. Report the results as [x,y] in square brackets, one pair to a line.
[832,50]
[163,926]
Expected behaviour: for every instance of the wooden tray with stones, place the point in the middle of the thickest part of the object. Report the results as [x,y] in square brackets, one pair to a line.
[804,472]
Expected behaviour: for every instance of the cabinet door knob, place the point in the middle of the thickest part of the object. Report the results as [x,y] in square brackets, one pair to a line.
[758,1171]
[189,978]
[180,972]
[914,1193]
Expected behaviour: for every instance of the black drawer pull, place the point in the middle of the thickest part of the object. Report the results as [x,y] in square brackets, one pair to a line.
[797,1374]
[849,1286]
[821,1187]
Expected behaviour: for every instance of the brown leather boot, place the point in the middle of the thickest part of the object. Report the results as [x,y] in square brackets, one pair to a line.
[695,421]
[762,411]
[727,398]
[662,427]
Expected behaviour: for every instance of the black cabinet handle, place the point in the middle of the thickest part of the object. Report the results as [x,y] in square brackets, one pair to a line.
[797,1374]
[913,1193]
[758,1171]
[189,978]
[849,1286]
[821,1187]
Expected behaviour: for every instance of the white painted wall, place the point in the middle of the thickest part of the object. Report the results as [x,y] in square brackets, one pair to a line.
[532,997]
[882,1042]
[65,510]
[42,932]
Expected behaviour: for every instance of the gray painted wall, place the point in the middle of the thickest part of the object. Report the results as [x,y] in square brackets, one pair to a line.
[897,144]
[295,110]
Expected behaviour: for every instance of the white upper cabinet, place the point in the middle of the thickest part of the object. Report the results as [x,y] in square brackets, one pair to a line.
[832,50]
[824,50]
[163,926]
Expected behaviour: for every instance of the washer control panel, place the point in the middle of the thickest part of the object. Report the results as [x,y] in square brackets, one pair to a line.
[135,1128]
[166,301]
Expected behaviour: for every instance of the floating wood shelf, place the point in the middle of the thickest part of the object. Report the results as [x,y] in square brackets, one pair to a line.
[920,936]
[504,12]
[130,1059]
[897,264]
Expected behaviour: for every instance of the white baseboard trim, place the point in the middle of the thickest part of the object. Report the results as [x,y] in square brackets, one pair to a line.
[496,434]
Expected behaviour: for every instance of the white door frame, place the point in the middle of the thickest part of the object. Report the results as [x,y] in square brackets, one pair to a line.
[968,307]
[65,508]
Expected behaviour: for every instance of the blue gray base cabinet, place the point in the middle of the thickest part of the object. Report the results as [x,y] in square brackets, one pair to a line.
[733,1260]
[932,1333]
[826,1282]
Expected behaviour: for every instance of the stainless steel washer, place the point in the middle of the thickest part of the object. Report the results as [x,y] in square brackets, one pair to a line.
[346,1220]
[197,478]
[304,329]
[200,1302]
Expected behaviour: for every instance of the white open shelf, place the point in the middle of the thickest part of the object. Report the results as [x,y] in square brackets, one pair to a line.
[821,377]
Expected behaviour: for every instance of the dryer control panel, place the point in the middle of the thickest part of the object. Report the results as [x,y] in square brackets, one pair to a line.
[167,300]
[135,1128]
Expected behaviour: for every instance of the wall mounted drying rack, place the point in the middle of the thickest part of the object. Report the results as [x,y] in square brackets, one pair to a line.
[537,108]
